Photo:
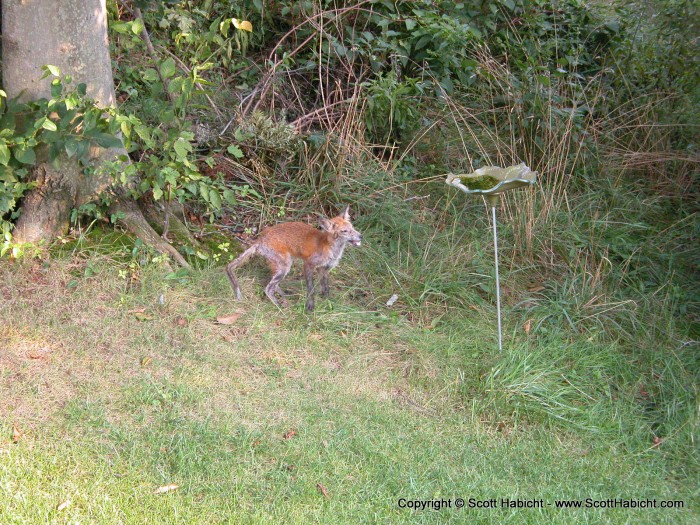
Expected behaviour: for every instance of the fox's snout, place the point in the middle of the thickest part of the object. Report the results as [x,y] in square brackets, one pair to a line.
[353,237]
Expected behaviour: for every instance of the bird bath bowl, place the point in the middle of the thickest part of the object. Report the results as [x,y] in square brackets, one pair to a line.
[491,181]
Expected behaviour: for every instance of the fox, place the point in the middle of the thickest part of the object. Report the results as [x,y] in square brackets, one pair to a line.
[318,249]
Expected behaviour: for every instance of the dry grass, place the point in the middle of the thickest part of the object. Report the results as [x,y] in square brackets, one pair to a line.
[90,340]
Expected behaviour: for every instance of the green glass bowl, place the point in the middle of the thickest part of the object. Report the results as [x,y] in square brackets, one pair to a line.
[490,181]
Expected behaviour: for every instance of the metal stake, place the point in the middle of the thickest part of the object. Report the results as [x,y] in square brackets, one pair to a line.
[498,281]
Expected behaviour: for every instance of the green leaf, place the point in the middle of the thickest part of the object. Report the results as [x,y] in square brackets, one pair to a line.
[204,191]
[182,148]
[215,199]
[106,140]
[51,70]
[157,192]
[119,27]
[167,68]
[56,88]
[175,85]
[5,154]
[422,42]
[410,24]
[126,128]
[150,75]
[230,196]
[235,151]
[170,175]
[24,155]
[71,147]
[137,26]
[224,26]
[49,125]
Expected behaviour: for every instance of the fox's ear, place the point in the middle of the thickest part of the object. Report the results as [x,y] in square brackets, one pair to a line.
[346,213]
[325,224]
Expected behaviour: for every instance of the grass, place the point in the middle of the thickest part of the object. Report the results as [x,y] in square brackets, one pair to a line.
[284,417]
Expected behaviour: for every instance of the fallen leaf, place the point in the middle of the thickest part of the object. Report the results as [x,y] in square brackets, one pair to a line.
[289,434]
[657,441]
[181,321]
[535,289]
[63,505]
[137,311]
[166,488]
[528,326]
[228,319]
[145,361]
[143,317]
[41,353]
[323,490]
[643,391]
[16,434]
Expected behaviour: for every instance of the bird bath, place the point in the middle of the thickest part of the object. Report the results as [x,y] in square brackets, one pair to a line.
[491,182]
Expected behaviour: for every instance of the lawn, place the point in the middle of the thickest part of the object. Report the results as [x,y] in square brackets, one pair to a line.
[124,400]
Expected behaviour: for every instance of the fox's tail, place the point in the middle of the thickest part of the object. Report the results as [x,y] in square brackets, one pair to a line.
[236,263]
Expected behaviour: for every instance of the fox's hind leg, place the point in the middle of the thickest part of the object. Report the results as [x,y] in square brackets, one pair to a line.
[239,261]
[280,267]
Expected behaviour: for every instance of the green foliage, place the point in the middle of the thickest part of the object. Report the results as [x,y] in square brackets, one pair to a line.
[166,164]
[62,127]
[264,135]
[393,107]
[214,33]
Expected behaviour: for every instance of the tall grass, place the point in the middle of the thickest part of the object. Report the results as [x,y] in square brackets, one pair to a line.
[597,259]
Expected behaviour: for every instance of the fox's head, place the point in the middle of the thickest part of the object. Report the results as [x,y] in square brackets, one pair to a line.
[341,228]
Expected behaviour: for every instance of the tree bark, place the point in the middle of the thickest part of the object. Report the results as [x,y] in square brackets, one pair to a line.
[70,34]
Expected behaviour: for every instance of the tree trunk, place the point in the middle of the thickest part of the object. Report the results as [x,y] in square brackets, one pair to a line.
[70,34]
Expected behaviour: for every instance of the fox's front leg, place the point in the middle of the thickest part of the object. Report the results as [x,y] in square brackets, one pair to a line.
[324,282]
[309,276]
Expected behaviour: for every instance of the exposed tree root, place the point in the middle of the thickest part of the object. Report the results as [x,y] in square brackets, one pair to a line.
[46,208]
[46,212]
[169,220]
[135,222]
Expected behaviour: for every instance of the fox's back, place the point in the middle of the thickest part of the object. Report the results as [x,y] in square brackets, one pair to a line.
[297,239]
